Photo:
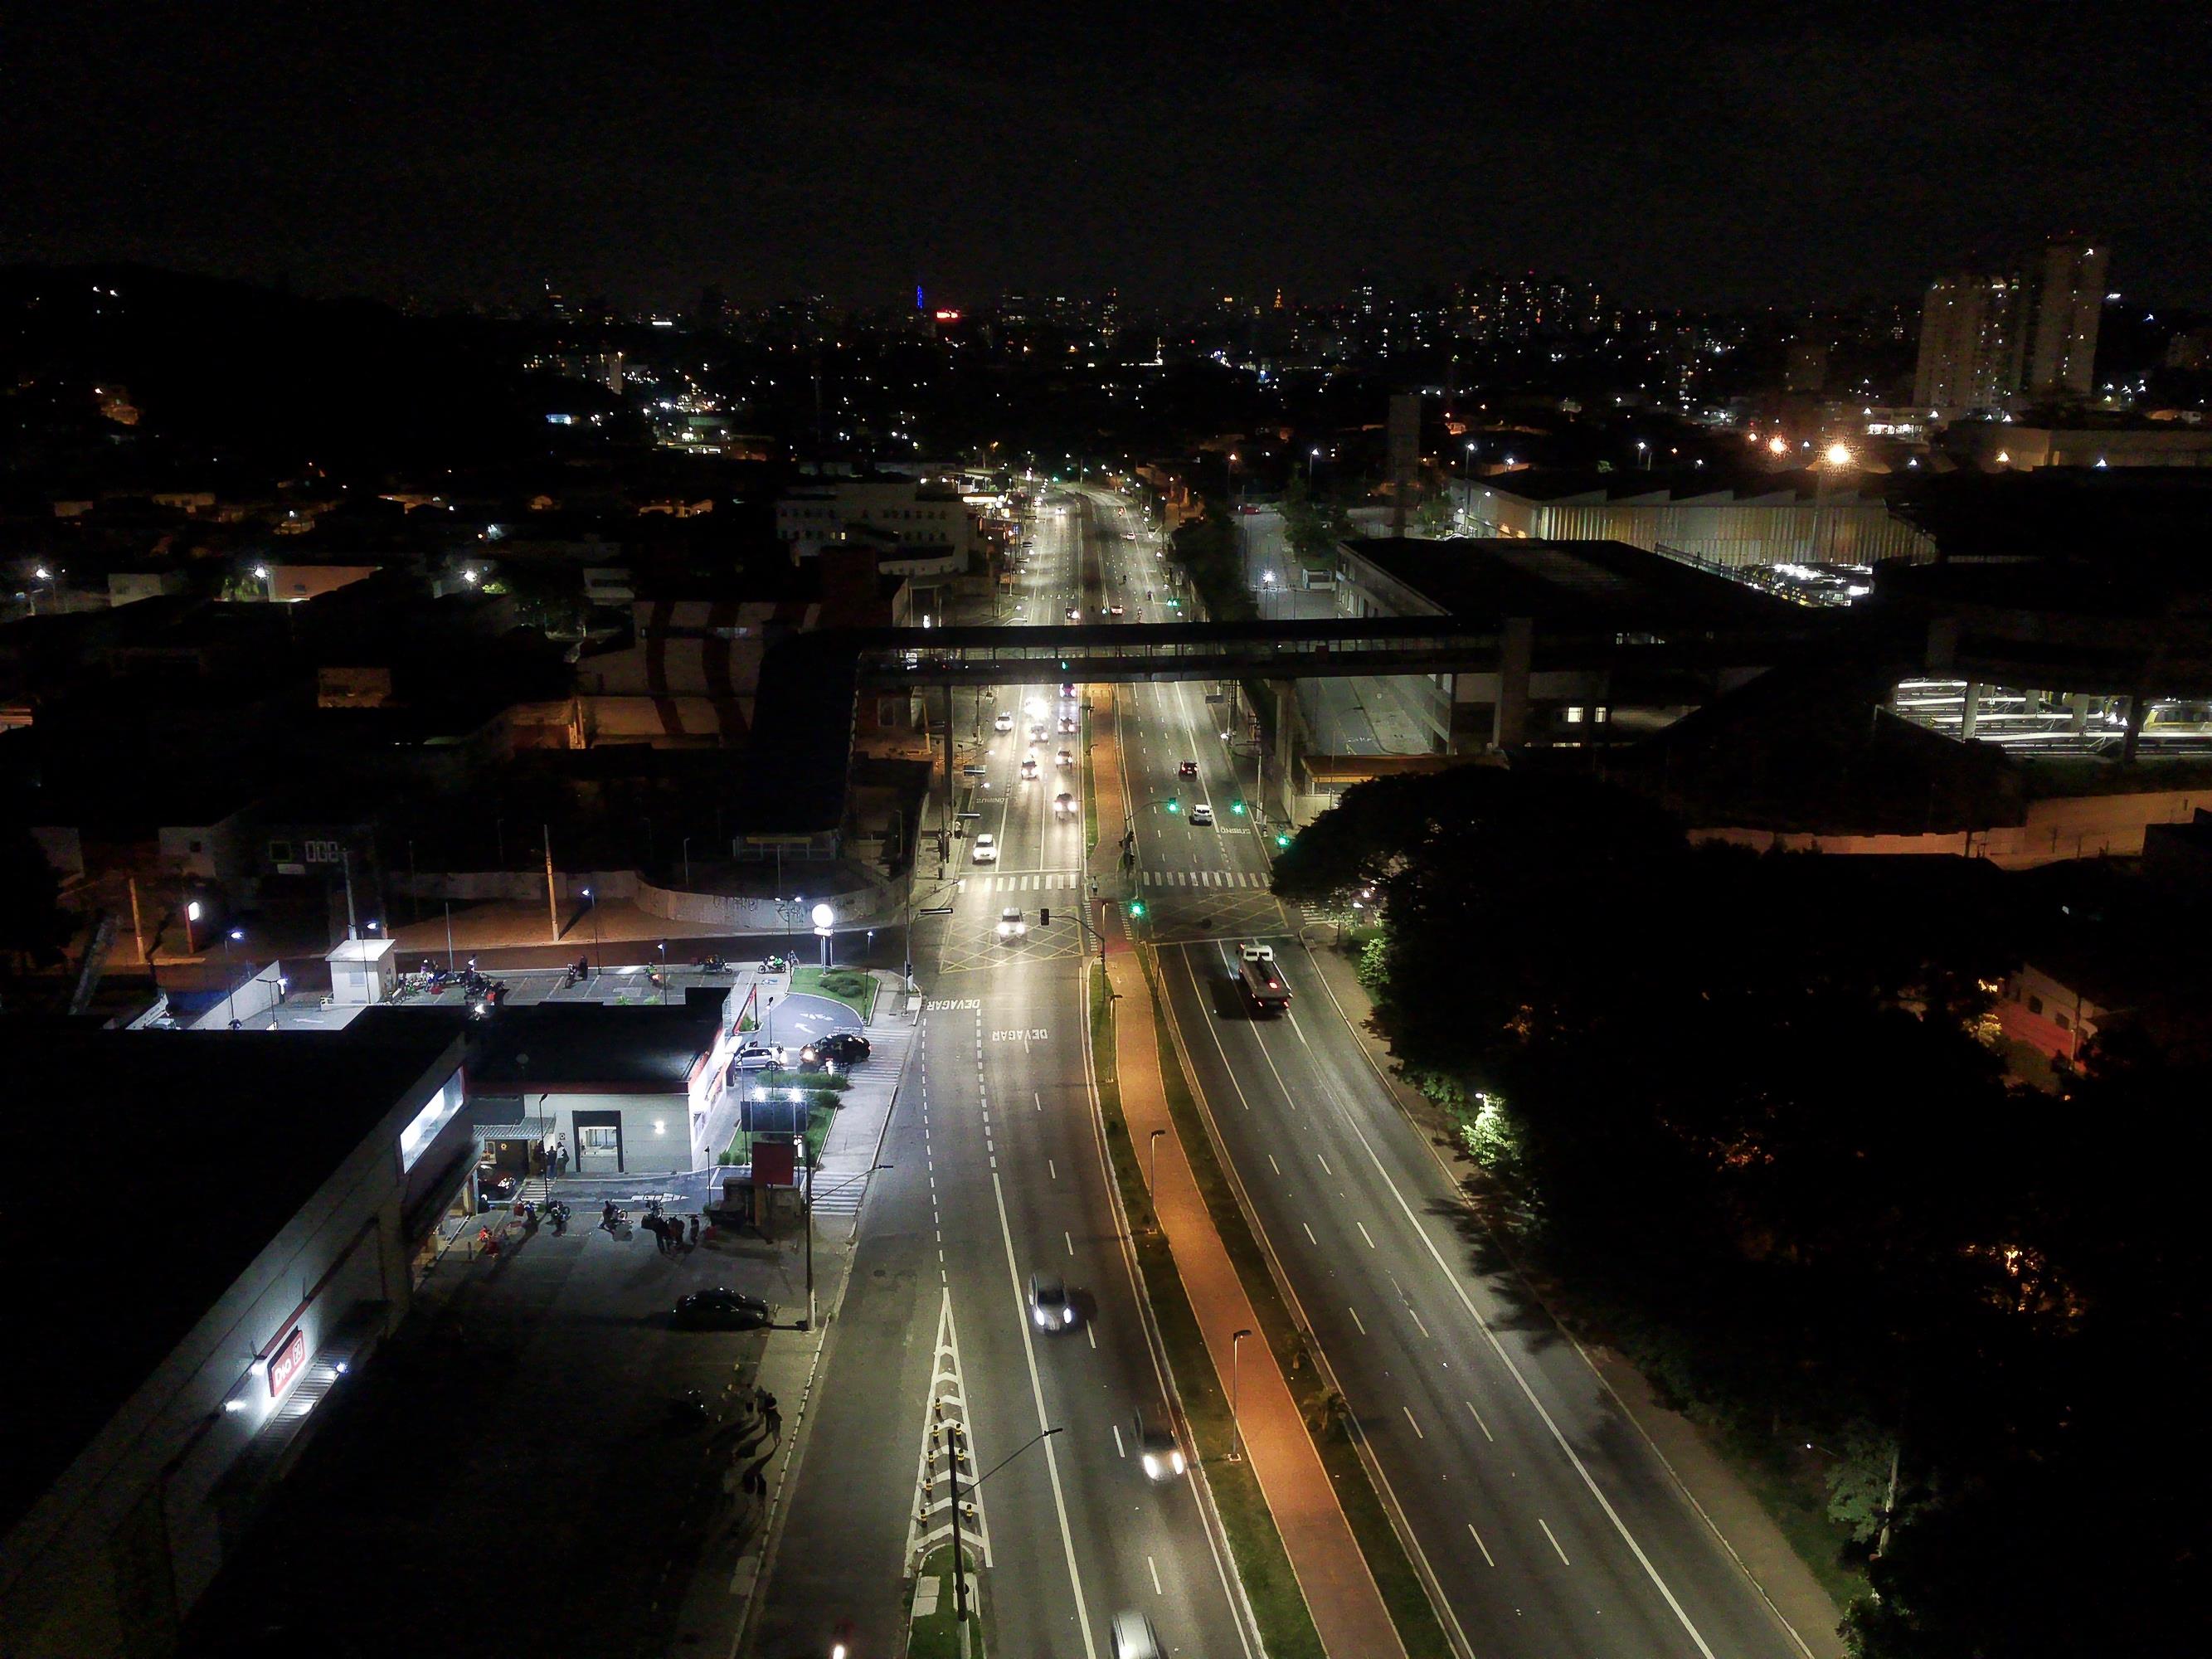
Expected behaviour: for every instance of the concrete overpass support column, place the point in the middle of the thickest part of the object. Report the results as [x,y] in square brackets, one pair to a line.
[1971,709]
[945,817]
[2138,708]
[2077,704]
[1280,797]
[1509,727]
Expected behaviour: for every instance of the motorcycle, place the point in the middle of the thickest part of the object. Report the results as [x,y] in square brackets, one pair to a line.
[776,965]
[558,1213]
[714,965]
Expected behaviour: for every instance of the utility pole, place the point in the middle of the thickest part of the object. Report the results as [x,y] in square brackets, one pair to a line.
[552,894]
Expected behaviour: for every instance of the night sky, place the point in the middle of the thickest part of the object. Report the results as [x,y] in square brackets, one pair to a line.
[1676,154]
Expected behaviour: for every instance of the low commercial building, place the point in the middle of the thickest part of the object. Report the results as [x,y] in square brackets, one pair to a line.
[260,1198]
[1783,517]
[631,1089]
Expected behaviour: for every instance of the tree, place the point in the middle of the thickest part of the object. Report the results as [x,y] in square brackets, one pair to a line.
[33,926]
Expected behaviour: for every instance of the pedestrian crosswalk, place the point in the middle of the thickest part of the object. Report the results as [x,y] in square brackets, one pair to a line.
[1032,881]
[1201,878]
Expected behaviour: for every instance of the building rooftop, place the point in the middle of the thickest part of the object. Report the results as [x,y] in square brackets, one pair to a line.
[570,1044]
[1586,583]
[200,1147]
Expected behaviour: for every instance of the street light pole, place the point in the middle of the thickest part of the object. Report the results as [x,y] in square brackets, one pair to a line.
[1236,1378]
[449,936]
[230,985]
[597,957]
[1152,1180]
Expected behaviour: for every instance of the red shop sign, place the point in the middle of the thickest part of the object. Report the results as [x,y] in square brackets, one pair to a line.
[285,1365]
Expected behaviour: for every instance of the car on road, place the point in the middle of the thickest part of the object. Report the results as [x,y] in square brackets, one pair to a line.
[1075,613]
[1201,814]
[1011,925]
[985,849]
[1065,758]
[721,1310]
[1051,1308]
[838,1049]
[1187,769]
[1066,723]
[1029,769]
[1067,690]
[1113,610]
[1131,1636]
[761,1057]
[1157,1450]
[1064,804]
[1004,722]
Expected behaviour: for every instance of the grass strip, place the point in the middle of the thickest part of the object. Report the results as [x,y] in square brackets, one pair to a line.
[1090,786]
[937,1635]
[1286,1627]
[1327,1422]
[856,990]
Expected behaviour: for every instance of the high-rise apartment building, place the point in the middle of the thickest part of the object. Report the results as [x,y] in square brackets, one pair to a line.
[1973,341]
[2069,298]
[1985,340]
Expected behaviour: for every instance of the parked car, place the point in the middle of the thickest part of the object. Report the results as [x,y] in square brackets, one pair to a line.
[1051,1308]
[721,1310]
[761,1057]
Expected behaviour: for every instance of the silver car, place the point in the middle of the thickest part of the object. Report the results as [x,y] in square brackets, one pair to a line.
[1051,1308]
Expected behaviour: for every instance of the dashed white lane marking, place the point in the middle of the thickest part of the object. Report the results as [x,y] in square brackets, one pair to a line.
[1363,1233]
[1054,1168]
[1357,1320]
[1479,1544]
[1416,1319]
[1325,1170]
[1149,1563]
[1272,1165]
[1555,1542]
[1119,1450]
[1309,1232]
[1070,1237]
[1478,1422]
[1092,1331]
[1409,1410]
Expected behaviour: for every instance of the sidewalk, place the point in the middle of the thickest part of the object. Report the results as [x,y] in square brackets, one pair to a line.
[1737,1517]
[1339,1592]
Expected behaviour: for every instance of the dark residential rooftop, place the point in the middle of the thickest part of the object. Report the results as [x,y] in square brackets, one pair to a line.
[205,1144]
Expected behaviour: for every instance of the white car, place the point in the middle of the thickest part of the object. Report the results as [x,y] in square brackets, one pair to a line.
[1065,805]
[986,849]
[1011,925]
[1029,769]
[1067,758]
[1004,722]
[1201,814]
[1075,613]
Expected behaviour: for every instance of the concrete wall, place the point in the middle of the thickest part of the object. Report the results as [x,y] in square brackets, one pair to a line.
[2073,828]
[762,915]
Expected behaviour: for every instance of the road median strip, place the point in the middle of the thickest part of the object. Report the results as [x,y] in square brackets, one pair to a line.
[1270,1585]
[1329,1422]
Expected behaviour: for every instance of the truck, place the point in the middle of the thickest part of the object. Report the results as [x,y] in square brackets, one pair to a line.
[1261,981]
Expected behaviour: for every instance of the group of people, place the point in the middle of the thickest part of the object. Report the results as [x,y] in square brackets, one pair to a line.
[668,1231]
[555,1151]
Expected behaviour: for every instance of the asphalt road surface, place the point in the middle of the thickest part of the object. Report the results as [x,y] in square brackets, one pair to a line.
[995,1172]
[1550,1524]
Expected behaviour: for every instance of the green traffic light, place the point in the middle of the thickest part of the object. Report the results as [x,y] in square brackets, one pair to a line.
[1174,805]
[1136,907]
[1282,841]
[1237,807]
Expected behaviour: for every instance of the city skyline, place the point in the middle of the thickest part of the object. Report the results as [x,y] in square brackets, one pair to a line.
[1678,156]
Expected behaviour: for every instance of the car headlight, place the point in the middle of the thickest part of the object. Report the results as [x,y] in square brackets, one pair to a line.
[1037,1314]
[1152,1465]
[1175,1457]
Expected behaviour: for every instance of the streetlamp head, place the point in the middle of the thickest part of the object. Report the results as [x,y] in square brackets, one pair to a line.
[1838,455]
[238,933]
[823,915]
[192,911]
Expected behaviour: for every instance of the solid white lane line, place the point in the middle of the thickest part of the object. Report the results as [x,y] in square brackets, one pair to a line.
[1555,1542]
[1036,1395]
[1479,1544]
[1409,1410]
[1364,1234]
[1478,1422]
[1357,1320]
[1558,1436]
